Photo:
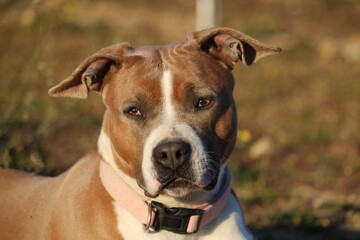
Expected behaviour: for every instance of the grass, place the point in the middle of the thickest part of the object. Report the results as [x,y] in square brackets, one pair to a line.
[296,161]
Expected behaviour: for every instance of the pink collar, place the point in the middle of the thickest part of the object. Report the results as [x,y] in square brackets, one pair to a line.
[145,212]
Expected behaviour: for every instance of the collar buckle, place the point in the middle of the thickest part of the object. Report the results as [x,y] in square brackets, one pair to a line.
[173,219]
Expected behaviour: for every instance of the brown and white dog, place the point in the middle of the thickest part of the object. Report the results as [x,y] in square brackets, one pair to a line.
[161,168]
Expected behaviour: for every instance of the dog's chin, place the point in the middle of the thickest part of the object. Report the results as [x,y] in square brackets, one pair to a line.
[182,188]
[179,187]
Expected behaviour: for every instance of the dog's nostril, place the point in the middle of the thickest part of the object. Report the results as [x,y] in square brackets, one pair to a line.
[163,155]
[184,149]
[179,154]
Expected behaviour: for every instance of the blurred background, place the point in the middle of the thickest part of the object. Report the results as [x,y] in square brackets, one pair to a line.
[297,158]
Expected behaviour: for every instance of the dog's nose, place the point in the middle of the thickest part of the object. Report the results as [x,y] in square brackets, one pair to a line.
[172,154]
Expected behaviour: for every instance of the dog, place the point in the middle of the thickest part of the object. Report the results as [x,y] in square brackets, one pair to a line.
[161,170]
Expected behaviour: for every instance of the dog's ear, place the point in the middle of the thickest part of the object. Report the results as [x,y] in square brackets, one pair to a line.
[229,46]
[91,73]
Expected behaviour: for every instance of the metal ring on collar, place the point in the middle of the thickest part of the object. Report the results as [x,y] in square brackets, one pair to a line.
[148,221]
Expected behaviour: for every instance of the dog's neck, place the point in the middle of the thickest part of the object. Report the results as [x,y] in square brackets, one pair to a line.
[189,201]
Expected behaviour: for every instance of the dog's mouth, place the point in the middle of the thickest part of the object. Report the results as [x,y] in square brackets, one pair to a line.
[177,183]
[180,183]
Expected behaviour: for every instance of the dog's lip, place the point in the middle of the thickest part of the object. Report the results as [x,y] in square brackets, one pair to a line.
[172,183]
[183,183]
[176,182]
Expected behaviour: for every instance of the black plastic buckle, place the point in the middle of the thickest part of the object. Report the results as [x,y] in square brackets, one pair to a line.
[174,219]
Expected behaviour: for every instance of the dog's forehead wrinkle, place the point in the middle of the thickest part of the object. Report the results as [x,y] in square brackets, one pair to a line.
[151,53]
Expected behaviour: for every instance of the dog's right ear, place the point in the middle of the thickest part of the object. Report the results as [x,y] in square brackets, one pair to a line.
[91,73]
[229,46]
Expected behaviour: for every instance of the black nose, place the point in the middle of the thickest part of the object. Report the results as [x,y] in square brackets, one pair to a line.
[172,154]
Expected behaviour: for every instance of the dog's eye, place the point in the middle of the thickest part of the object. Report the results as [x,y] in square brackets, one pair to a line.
[134,111]
[202,103]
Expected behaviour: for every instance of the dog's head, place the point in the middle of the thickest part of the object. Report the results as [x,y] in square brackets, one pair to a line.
[170,120]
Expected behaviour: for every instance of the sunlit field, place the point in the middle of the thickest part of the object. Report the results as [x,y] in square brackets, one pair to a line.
[296,162]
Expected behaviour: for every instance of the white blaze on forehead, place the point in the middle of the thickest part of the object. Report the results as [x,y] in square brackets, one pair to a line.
[167,91]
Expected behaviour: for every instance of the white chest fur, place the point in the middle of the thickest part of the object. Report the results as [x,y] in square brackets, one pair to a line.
[229,225]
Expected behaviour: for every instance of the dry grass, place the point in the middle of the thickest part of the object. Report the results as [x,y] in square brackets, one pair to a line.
[297,158]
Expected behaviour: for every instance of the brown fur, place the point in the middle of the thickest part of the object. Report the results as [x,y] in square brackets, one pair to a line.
[73,205]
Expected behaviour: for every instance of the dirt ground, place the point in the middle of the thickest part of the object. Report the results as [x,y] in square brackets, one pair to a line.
[296,162]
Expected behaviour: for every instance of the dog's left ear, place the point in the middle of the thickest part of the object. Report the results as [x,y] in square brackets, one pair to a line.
[229,46]
[91,72]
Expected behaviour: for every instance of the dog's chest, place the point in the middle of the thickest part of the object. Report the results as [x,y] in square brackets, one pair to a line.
[229,225]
